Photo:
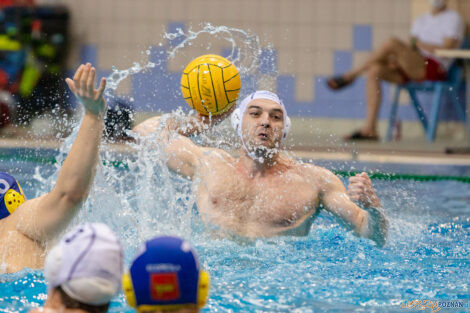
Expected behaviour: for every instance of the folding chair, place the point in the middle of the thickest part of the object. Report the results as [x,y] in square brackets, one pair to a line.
[451,85]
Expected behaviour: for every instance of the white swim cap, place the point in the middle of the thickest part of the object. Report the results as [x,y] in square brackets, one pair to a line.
[237,116]
[87,264]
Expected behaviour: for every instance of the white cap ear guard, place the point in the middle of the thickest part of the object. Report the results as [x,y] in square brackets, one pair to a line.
[237,115]
[287,125]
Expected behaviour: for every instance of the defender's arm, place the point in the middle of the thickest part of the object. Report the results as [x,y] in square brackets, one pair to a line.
[44,217]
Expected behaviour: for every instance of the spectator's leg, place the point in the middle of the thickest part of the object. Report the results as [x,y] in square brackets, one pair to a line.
[409,60]
[377,72]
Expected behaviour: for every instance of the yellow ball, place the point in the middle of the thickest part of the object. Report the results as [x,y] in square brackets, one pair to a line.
[210,84]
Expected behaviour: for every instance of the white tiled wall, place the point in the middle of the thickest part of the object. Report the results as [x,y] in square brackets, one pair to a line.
[305,32]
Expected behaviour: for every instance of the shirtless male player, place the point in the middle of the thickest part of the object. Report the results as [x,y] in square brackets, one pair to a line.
[26,229]
[263,192]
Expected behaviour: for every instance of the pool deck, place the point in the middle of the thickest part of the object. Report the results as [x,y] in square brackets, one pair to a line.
[311,138]
[366,152]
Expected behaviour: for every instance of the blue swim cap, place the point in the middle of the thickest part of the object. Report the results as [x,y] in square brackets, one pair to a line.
[164,274]
[11,195]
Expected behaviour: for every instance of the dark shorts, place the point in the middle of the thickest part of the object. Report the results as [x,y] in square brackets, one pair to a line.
[434,71]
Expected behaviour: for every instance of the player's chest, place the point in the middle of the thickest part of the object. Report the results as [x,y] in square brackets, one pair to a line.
[277,197]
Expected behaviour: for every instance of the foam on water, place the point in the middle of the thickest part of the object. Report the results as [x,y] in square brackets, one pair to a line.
[426,256]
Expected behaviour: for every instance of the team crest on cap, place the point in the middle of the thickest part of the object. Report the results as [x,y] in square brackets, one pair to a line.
[164,286]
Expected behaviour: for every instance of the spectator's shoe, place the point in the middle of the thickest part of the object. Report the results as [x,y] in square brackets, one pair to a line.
[358,136]
[338,82]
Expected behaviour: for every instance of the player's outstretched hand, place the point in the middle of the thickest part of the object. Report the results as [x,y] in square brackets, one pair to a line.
[83,88]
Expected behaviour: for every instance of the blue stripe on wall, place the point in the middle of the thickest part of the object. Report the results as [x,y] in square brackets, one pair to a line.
[268,61]
[343,61]
[88,53]
[362,37]
[174,28]
[158,89]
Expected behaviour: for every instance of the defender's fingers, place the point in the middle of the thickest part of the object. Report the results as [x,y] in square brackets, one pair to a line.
[91,81]
[101,88]
[78,74]
[71,85]
[84,78]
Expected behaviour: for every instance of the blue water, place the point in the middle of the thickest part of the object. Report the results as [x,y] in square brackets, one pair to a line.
[330,270]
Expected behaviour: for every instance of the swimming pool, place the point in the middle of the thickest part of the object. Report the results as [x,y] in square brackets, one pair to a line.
[427,255]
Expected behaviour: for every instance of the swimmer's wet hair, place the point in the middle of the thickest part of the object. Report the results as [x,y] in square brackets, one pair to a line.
[71,303]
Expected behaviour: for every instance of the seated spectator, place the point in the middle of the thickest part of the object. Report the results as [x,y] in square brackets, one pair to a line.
[165,277]
[399,62]
[83,271]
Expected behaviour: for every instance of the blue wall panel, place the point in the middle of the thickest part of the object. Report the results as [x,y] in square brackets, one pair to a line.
[158,89]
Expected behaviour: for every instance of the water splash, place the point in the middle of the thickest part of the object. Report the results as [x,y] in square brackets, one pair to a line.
[117,76]
[245,53]
[245,47]
[146,198]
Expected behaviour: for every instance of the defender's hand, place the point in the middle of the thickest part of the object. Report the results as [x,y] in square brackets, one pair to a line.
[82,87]
[360,190]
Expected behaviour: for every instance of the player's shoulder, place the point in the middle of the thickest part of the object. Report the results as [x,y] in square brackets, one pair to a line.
[216,154]
[25,210]
[317,172]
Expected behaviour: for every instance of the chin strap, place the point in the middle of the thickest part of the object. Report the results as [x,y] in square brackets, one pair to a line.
[250,154]
[235,120]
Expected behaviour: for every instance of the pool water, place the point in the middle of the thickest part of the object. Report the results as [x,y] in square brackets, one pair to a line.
[427,255]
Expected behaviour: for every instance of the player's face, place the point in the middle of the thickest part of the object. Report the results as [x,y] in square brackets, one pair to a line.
[263,122]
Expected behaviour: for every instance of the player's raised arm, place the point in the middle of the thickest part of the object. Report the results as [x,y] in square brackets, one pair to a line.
[43,217]
[183,155]
[210,84]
